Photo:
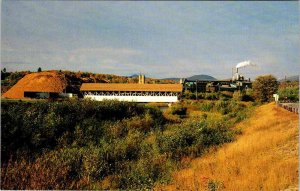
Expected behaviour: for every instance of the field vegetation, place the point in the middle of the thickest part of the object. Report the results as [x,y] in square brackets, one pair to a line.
[84,144]
[110,144]
[245,95]
[264,157]
[288,91]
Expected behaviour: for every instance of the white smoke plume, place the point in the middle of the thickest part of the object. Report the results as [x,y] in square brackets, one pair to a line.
[245,63]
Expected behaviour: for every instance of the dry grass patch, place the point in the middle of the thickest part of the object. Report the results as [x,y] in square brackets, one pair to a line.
[264,157]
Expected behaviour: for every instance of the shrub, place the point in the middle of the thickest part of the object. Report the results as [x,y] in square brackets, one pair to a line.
[221,104]
[289,94]
[226,94]
[190,139]
[178,110]
[212,96]
[87,132]
[264,87]
[104,145]
[238,95]
[189,95]
[216,136]
[56,170]
[42,125]
[208,106]
[214,185]
[142,174]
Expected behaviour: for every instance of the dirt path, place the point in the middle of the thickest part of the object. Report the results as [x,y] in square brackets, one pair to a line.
[264,157]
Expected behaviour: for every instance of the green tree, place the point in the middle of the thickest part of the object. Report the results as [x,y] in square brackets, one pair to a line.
[109,77]
[39,69]
[290,93]
[264,87]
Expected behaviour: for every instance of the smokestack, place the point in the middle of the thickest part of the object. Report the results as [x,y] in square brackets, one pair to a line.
[141,79]
[181,81]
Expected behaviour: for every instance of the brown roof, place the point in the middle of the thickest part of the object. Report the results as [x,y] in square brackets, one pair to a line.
[131,87]
[51,82]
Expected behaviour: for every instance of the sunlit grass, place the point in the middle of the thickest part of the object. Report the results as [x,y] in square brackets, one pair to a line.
[264,157]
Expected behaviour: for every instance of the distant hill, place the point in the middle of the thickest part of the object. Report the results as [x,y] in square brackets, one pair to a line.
[195,77]
[290,78]
[175,79]
[134,76]
[201,77]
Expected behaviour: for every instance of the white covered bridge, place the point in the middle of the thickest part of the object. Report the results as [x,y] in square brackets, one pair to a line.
[132,92]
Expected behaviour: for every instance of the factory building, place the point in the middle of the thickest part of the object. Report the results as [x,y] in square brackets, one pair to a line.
[140,92]
[237,83]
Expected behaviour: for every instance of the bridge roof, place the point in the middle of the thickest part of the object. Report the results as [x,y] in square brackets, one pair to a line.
[131,87]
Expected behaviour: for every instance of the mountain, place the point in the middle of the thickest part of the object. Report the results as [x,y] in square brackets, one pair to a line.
[290,78]
[134,76]
[195,77]
[175,79]
[201,77]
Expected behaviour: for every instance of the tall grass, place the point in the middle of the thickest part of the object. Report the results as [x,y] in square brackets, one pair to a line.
[103,145]
[265,157]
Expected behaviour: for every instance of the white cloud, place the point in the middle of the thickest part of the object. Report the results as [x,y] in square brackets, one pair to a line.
[157,38]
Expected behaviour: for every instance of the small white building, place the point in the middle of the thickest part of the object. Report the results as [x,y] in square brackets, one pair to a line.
[132,92]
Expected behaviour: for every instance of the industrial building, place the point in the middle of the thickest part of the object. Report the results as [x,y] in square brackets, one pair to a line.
[216,85]
[140,92]
[237,82]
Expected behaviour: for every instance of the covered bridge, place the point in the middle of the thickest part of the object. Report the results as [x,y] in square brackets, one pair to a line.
[132,92]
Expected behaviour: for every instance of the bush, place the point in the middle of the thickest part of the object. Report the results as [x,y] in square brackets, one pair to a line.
[55,170]
[208,106]
[189,95]
[289,94]
[190,139]
[212,96]
[264,87]
[248,96]
[42,125]
[238,95]
[178,110]
[142,174]
[104,145]
[226,94]
[214,185]
[201,95]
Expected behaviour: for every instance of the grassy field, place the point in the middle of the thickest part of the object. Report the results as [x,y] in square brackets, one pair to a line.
[83,144]
[264,157]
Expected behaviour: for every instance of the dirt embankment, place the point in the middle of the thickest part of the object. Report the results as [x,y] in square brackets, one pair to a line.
[264,157]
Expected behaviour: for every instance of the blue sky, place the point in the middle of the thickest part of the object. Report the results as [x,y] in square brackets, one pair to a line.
[159,39]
